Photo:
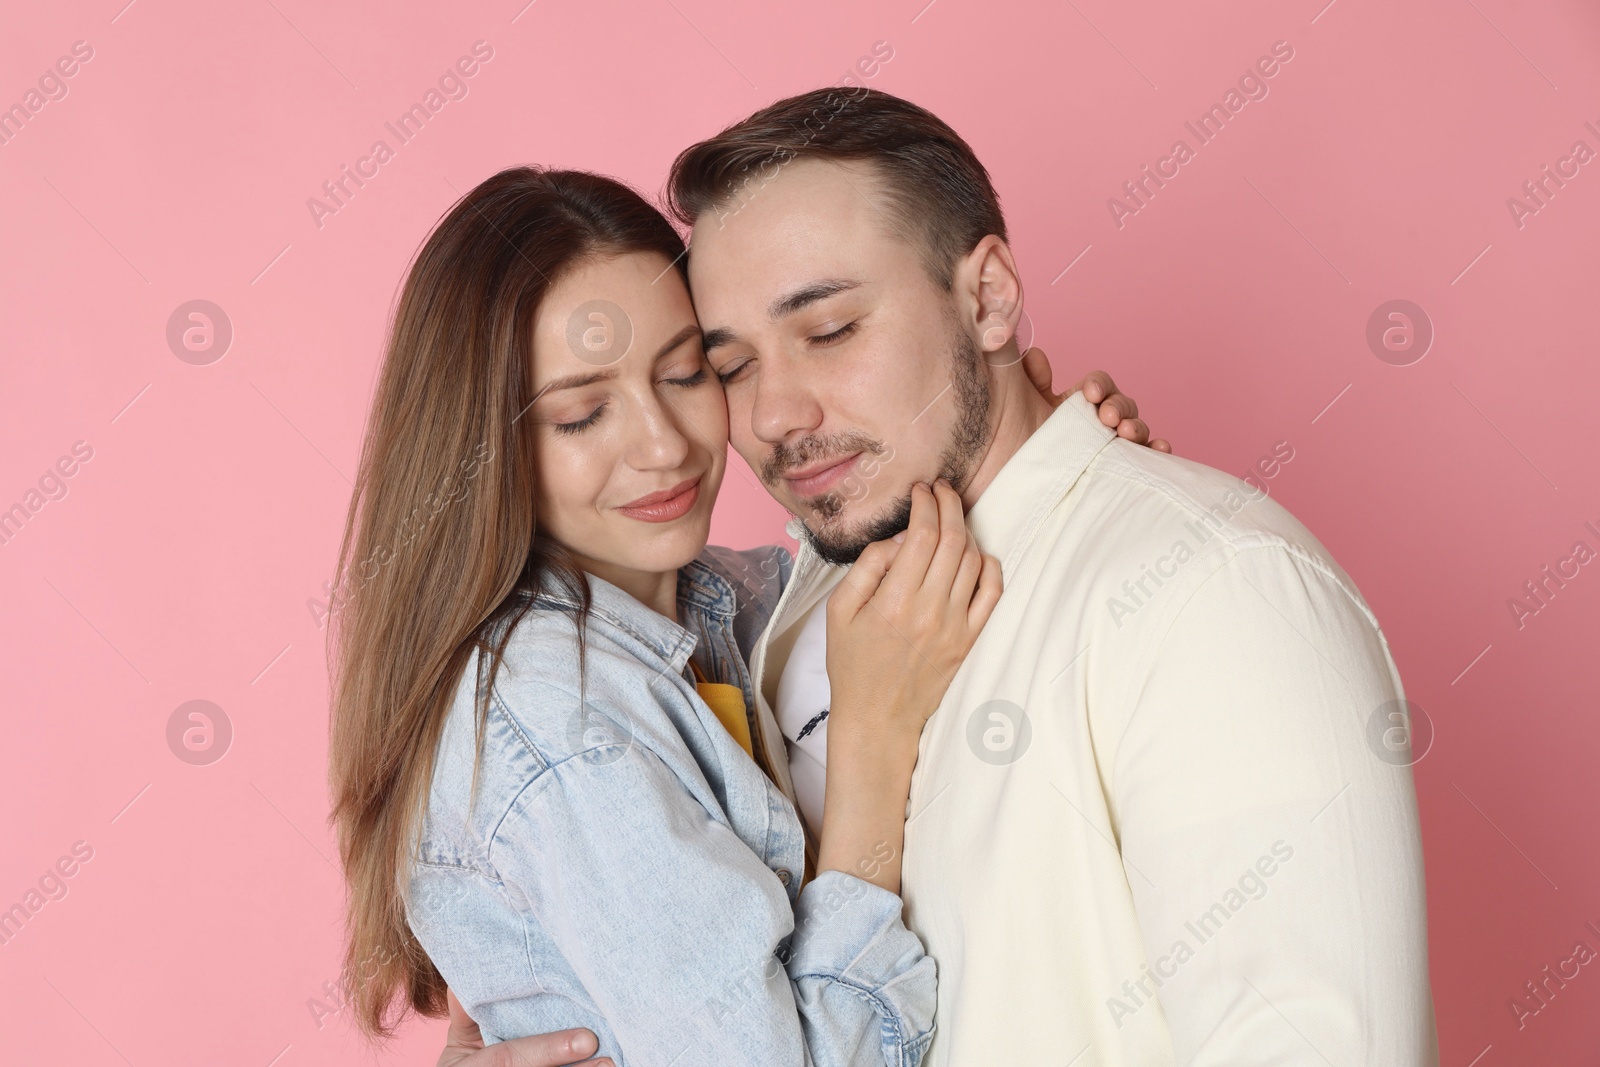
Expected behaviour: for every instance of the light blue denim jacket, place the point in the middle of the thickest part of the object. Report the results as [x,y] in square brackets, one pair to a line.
[627,867]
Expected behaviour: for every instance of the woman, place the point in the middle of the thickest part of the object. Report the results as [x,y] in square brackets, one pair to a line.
[543,774]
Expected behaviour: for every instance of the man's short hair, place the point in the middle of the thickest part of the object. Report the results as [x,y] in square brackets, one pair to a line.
[934,185]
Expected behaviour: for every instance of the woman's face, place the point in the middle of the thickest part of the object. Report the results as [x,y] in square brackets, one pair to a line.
[630,421]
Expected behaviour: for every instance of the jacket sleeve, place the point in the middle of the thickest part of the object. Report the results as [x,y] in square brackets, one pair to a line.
[1271,820]
[687,942]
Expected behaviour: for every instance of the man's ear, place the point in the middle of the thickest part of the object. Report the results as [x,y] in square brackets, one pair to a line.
[989,290]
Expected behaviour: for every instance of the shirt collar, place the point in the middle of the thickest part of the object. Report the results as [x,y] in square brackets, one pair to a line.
[1008,514]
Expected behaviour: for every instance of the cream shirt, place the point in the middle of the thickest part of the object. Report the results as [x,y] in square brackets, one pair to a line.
[1160,816]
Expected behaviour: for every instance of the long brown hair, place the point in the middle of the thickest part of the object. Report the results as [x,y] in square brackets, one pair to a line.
[442,536]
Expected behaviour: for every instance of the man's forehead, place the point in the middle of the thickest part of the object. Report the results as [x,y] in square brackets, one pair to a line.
[806,199]
[815,219]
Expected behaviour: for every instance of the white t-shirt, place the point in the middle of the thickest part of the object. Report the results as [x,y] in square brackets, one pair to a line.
[803,699]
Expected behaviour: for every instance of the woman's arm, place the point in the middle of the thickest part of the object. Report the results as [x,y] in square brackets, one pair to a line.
[676,930]
[899,624]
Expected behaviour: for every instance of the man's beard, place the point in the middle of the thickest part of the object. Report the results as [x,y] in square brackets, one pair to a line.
[968,436]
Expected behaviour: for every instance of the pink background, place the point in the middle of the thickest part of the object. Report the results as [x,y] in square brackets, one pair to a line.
[1233,306]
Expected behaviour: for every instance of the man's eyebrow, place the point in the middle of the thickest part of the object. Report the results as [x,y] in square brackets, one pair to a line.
[578,381]
[787,304]
[808,294]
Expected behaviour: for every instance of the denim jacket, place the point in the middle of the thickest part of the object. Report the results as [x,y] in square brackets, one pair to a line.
[625,866]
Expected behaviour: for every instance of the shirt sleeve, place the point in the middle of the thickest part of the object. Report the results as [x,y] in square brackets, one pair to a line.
[687,942]
[1268,825]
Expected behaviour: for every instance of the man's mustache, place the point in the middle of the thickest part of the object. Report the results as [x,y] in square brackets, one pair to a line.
[808,450]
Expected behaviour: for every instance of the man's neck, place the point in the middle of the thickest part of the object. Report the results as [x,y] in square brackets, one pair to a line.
[1016,410]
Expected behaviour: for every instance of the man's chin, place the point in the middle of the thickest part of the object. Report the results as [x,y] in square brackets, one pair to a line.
[842,540]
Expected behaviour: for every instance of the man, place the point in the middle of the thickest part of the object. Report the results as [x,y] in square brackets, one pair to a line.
[1145,825]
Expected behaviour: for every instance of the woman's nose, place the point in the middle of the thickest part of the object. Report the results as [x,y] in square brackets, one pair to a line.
[660,438]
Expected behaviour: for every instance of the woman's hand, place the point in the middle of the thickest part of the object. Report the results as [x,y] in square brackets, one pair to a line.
[899,624]
[903,619]
[1117,411]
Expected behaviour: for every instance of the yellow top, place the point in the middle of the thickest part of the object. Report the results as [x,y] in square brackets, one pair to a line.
[727,701]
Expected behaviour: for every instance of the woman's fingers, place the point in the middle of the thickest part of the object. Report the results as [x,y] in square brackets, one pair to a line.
[966,582]
[986,596]
[916,551]
[1095,386]
[952,543]
[1133,430]
[862,581]
[1037,366]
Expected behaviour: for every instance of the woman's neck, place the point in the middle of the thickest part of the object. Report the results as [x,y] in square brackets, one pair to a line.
[656,590]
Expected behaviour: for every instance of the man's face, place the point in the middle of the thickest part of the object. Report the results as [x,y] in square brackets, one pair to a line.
[848,372]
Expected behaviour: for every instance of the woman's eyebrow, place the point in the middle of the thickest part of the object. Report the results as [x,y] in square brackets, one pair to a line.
[577,381]
[677,339]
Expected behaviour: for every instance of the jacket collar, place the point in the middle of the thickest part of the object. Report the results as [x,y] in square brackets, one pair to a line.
[1008,515]
[701,590]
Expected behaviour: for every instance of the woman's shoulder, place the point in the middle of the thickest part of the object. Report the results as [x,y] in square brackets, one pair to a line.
[757,576]
[535,713]
[545,700]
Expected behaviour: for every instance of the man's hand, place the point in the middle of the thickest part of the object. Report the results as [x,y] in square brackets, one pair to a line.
[1117,411]
[463,1046]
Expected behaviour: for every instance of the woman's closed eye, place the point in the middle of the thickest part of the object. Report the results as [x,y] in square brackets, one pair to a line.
[579,425]
[688,381]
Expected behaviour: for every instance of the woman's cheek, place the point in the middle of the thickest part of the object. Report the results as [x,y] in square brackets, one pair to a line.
[711,409]
[564,469]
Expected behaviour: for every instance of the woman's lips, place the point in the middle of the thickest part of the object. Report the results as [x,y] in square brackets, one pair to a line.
[821,481]
[666,504]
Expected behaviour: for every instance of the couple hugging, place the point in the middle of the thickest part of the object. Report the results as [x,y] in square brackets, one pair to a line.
[928,792]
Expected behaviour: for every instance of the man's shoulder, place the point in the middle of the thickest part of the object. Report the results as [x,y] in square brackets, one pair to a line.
[1171,523]
[1144,496]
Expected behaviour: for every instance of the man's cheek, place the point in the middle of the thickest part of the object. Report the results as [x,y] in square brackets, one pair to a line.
[741,433]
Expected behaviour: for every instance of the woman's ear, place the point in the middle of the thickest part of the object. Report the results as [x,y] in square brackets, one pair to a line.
[990,290]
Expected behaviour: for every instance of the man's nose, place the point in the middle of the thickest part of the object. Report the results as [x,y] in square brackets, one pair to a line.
[786,403]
